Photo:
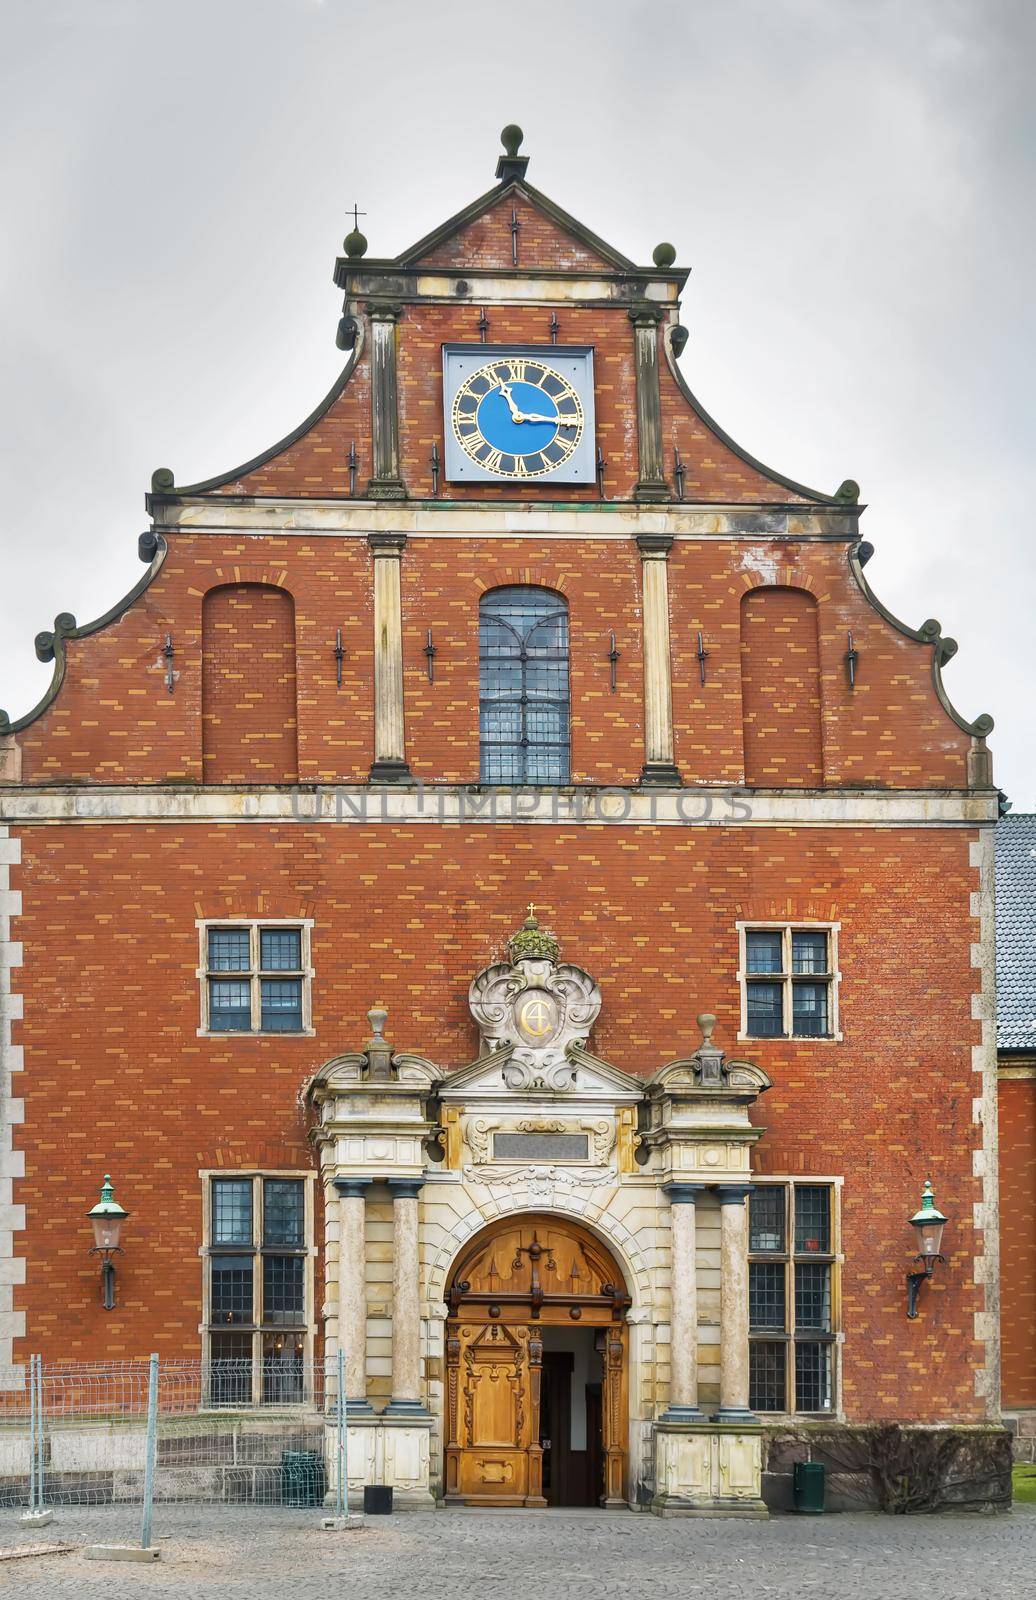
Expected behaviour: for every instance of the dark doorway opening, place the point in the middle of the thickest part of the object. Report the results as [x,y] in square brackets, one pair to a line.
[570,1418]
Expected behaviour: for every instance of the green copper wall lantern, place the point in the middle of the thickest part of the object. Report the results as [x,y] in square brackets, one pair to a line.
[107,1217]
[929,1222]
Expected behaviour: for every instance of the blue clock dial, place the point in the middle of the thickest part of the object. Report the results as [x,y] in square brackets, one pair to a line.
[517,417]
[509,418]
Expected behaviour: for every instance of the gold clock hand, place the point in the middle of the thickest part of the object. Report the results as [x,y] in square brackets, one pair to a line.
[529,416]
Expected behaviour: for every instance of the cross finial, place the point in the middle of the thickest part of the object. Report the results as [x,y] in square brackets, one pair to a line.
[357,214]
[532,909]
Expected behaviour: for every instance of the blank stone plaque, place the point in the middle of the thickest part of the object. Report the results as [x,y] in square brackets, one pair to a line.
[541,1146]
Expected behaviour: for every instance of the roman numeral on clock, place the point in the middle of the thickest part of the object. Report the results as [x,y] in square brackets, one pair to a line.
[491,460]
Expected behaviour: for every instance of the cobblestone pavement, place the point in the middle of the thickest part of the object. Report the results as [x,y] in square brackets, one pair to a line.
[462,1555]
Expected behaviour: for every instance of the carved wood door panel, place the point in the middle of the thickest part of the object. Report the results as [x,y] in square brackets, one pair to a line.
[492,1412]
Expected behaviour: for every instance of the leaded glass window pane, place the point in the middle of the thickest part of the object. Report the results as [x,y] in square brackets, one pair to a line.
[813,1296]
[766,1375]
[765,1010]
[283,1212]
[809,1009]
[230,1005]
[231,1288]
[230,1369]
[283,1369]
[809,952]
[281,1005]
[764,952]
[283,1290]
[232,1211]
[766,1295]
[228,950]
[766,1218]
[812,1219]
[280,949]
[812,1376]
[524,687]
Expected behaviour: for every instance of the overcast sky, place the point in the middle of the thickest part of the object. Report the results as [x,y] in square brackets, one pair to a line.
[851,182]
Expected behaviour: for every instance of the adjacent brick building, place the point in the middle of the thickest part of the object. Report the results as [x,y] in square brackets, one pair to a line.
[634,1174]
[1016,1044]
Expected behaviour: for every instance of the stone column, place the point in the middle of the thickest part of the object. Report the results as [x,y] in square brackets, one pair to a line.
[352,1288]
[406,1300]
[386,484]
[651,484]
[683,1347]
[389,765]
[659,766]
[733,1373]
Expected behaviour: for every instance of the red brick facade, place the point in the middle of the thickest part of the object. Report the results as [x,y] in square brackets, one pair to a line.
[889,732]
[401,916]
[1018,1239]
[116,1075]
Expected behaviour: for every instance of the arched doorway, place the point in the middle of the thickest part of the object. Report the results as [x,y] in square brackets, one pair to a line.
[536,1368]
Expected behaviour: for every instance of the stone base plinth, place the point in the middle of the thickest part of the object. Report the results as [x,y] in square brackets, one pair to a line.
[707,1470]
[387,1449]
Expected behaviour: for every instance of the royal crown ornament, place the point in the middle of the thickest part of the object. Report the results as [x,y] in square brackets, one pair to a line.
[536,1008]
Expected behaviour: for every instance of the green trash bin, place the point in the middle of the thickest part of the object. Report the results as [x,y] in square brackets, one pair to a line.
[302,1478]
[808,1485]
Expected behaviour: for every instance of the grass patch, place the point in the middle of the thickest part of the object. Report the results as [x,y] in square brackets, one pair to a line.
[1023,1480]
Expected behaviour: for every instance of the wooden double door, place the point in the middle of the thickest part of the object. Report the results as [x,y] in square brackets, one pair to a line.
[536,1369]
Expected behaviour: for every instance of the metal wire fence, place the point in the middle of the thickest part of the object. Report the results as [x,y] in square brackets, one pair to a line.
[137,1435]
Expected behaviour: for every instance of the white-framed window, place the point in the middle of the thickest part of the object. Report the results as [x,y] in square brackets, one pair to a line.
[258,1321]
[255,975]
[794,1304]
[789,977]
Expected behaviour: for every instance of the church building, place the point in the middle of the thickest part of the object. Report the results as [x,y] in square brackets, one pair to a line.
[503,898]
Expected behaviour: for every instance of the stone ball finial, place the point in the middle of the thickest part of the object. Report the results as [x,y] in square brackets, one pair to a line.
[663,255]
[511,138]
[706,1022]
[355,245]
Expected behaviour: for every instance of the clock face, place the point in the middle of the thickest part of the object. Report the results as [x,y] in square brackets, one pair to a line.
[517,417]
[519,412]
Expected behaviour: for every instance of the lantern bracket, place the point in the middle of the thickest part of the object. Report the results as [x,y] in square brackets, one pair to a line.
[915,1280]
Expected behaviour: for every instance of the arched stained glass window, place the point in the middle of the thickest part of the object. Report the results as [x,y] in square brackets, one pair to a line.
[523,686]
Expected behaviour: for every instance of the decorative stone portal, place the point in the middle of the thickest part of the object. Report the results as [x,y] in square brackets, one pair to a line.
[536,1247]
[534,1417]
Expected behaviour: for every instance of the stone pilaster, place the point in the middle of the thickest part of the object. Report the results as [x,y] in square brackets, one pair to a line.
[389,765]
[386,484]
[651,484]
[659,765]
[733,1374]
[352,1287]
[406,1303]
[683,1349]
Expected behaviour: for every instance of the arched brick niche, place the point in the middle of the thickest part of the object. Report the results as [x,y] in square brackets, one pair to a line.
[780,689]
[249,710]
